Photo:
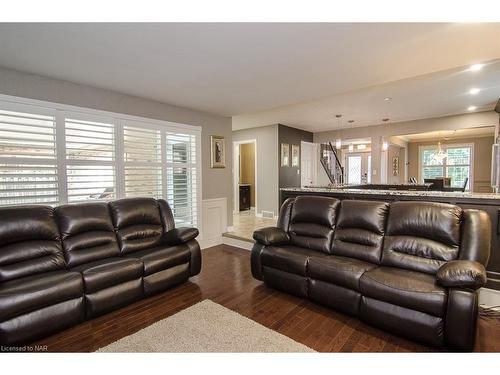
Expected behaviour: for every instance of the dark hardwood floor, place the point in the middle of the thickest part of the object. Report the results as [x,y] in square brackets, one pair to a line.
[226,279]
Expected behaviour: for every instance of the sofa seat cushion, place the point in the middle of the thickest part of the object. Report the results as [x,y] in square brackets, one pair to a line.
[20,296]
[410,289]
[105,273]
[160,258]
[292,259]
[337,270]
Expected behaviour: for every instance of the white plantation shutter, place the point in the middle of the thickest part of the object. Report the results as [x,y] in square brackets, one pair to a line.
[28,164]
[142,161]
[55,154]
[182,177]
[90,158]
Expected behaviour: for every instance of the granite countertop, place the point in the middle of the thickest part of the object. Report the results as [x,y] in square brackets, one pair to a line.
[410,193]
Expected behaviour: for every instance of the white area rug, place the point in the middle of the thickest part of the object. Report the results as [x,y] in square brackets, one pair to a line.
[206,327]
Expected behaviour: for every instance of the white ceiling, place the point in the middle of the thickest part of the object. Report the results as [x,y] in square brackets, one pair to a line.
[432,95]
[246,69]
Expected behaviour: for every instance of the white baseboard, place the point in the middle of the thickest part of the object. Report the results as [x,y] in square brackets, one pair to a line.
[204,244]
[489,297]
[237,243]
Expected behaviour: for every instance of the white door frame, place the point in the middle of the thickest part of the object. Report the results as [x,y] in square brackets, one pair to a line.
[364,163]
[236,173]
[314,159]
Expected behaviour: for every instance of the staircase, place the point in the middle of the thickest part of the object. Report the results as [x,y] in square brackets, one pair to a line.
[331,164]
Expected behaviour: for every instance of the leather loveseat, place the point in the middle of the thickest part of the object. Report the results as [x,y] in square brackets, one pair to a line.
[60,266]
[412,268]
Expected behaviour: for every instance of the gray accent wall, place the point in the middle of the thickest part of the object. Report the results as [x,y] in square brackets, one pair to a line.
[217,183]
[290,176]
[267,165]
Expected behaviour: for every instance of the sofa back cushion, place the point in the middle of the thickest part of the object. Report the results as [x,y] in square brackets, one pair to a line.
[137,222]
[29,242]
[421,236]
[87,232]
[360,230]
[312,222]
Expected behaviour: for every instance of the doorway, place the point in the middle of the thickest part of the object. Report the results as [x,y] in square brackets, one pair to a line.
[358,167]
[245,177]
[308,164]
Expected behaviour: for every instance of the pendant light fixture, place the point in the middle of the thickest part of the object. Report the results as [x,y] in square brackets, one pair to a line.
[351,146]
[440,154]
[338,142]
[385,144]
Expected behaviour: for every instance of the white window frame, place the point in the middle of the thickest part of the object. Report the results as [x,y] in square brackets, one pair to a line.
[444,147]
[61,111]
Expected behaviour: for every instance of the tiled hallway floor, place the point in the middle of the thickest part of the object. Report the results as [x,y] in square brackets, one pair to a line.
[245,223]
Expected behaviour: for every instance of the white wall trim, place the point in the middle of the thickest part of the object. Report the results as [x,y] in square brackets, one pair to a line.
[205,244]
[237,243]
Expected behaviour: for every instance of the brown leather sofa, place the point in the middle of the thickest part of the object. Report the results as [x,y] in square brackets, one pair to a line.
[60,266]
[412,268]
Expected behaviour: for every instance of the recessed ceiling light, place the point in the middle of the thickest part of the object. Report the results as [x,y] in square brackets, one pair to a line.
[472,108]
[474,91]
[476,67]
[387,99]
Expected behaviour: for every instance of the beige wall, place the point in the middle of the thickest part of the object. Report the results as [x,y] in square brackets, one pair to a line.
[482,159]
[267,165]
[247,168]
[217,183]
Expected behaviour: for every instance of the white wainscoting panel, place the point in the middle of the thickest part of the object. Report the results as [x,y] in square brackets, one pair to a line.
[214,221]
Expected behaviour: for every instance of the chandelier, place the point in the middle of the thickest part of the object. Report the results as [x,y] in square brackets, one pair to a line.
[439,155]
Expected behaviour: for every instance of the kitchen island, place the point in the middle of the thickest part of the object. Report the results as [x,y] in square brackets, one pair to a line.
[488,202]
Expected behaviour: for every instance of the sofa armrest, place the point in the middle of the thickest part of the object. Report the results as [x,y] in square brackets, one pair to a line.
[177,236]
[271,236]
[461,274]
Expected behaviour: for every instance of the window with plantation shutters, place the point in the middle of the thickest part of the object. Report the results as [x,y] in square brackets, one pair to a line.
[28,157]
[182,178]
[54,154]
[90,158]
[142,161]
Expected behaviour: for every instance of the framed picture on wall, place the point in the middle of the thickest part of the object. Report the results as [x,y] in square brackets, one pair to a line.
[295,155]
[218,152]
[285,155]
